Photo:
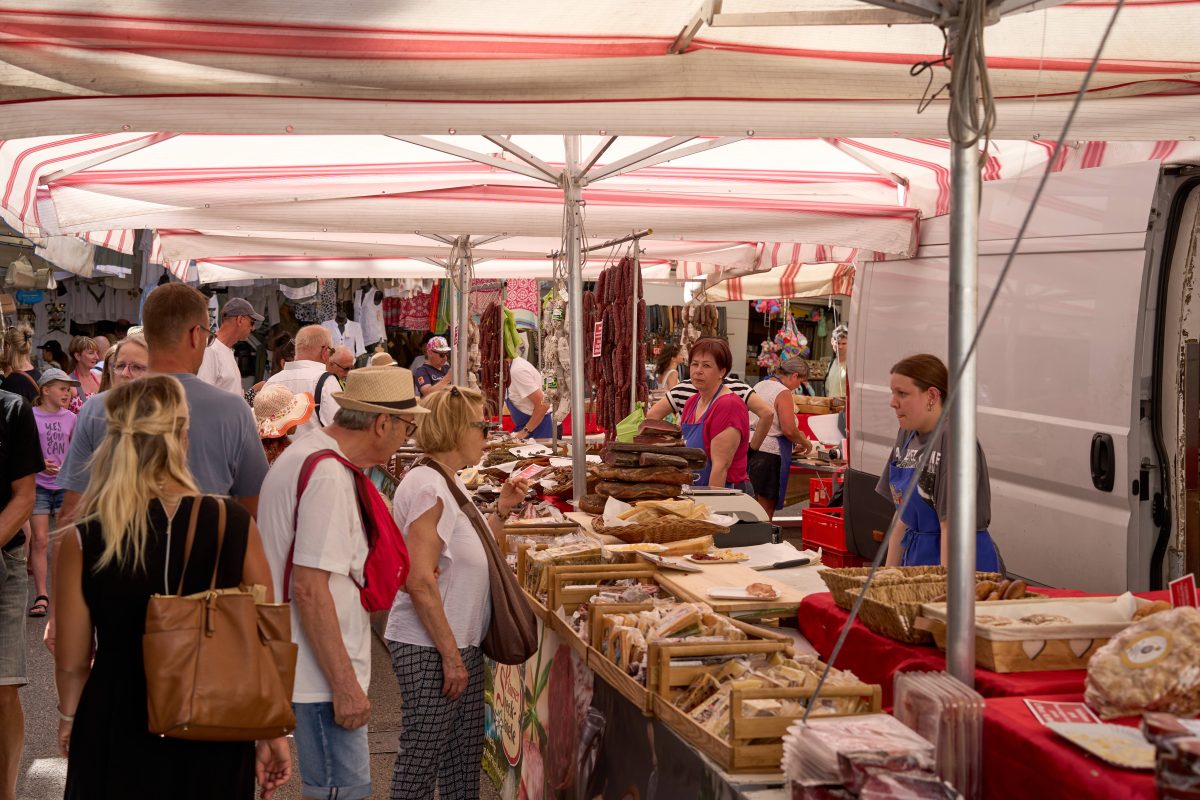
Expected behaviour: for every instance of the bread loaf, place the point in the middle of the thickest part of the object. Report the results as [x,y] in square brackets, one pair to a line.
[669,475]
[592,504]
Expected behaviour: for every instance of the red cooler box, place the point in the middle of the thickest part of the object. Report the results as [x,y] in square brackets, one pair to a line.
[825,528]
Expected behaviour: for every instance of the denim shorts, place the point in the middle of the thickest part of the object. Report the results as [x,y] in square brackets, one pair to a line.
[13,586]
[335,763]
[47,501]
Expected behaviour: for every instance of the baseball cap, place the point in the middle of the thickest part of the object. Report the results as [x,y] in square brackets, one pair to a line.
[55,374]
[240,307]
[438,344]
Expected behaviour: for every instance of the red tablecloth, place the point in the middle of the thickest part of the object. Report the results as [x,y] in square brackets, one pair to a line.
[876,659]
[1024,759]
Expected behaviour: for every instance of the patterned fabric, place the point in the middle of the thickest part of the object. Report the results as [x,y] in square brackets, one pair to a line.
[441,740]
[482,298]
[523,300]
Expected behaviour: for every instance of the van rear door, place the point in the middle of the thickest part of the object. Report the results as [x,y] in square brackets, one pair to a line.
[1059,377]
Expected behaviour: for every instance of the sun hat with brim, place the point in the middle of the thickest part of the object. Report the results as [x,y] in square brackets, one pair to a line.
[55,374]
[277,411]
[382,360]
[438,344]
[382,390]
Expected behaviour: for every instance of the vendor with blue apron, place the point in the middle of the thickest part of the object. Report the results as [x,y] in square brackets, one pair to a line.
[715,419]
[526,401]
[919,385]
[770,465]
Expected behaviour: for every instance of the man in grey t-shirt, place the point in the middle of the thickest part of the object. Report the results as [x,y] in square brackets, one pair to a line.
[224,451]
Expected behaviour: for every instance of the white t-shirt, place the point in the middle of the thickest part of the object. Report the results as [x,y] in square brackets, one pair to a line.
[351,337]
[463,566]
[329,536]
[523,380]
[769,390]
[302,376]
[220,368]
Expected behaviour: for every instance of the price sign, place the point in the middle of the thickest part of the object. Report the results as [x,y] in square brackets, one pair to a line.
[1183,591]
[597,339]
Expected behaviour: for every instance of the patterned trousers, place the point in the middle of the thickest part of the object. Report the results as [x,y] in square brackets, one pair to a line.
[441,740]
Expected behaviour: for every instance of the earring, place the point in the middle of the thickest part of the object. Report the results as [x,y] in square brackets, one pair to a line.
[930,406]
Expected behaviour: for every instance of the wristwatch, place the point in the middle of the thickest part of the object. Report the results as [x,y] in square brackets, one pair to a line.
[526,430]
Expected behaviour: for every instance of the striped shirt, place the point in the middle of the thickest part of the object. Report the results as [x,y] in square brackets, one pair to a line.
[681,392]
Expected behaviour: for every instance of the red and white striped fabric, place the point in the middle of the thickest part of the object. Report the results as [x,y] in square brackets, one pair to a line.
[791,281]
[305,66]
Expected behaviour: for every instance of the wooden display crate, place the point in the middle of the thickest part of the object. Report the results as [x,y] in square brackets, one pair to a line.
[617,678]
[574,583]
[737,754]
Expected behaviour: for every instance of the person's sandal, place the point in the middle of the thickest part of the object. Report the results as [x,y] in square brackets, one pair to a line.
[41,604]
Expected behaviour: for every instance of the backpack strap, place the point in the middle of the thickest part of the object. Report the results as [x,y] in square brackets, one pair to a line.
[320,390]
[306,471]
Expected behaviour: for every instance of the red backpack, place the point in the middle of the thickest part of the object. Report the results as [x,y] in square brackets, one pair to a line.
[386,568]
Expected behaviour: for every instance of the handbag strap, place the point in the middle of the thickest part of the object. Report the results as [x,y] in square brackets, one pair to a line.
[191,537]
[465,505]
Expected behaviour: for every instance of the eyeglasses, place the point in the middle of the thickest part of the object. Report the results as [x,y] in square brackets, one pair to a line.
[212,337]
[411,429]
[130,367]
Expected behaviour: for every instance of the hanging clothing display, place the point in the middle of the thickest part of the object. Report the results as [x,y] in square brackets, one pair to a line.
[522,298]
[482,297]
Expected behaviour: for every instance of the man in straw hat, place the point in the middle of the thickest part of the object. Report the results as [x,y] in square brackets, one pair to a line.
[377,413]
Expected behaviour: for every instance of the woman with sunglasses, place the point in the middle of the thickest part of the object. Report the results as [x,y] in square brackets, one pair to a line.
[436,624]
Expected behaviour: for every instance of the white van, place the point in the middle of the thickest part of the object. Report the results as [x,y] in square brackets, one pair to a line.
[1083,373]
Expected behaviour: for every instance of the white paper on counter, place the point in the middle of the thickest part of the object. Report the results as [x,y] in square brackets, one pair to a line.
[560,461]
[773,553]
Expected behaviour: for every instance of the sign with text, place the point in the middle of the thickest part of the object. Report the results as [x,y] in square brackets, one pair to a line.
[1183,591]
[1047,712]
[597,339]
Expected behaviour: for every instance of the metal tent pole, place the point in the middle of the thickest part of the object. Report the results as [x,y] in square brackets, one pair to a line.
[455,302]
[500,371]
[633,357]
[573,194]
[960,451]
[464,313]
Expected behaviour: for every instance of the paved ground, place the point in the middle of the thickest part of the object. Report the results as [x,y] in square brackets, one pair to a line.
[43,771]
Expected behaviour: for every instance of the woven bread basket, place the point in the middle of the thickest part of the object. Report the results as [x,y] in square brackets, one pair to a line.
[892,609]
[662,531]
[845,584]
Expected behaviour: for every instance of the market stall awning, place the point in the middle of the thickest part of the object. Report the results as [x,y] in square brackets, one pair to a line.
[791,281]
[301,66]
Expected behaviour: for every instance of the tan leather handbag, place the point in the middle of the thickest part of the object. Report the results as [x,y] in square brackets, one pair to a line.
[219,664]
[512,634]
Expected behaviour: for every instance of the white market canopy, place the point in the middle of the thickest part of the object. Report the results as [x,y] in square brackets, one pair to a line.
[627,67]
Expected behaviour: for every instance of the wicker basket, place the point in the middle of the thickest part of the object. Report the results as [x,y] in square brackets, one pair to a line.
[892,609]
[845,584]
[662,531]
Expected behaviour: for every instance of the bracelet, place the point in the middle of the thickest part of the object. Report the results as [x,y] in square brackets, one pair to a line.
[65,717]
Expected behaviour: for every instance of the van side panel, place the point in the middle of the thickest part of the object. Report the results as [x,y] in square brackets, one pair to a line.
[1055,363]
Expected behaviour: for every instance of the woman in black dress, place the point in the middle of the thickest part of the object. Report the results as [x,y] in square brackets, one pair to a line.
[128,546]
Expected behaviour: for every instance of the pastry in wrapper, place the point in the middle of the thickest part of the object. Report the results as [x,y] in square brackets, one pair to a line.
[1177,769]
[1150,666]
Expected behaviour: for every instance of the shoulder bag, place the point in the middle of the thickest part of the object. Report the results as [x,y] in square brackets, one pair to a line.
[512,634]
[219,665]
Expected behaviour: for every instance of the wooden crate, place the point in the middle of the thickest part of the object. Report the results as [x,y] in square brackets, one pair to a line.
[695,585]
[577,582]
[562,626]
[1043,649]
[617,678]
[664,679]
[737,754]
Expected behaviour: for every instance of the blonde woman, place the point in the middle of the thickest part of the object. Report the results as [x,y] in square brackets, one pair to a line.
[435,627]
[86,354]
[129,544]
[20,376]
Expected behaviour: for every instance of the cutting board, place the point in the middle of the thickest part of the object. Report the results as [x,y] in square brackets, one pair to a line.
[694,586]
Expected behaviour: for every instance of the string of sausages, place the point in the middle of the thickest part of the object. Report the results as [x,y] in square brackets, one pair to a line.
[490,323]
[610,372]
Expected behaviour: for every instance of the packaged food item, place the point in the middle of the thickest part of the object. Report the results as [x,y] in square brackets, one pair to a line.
[1177,769]
[857,767]
[907,786]
[810,749]
[1150,666]
[1158,728]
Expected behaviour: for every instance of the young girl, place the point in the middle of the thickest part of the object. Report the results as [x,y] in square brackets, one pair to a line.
[55,425]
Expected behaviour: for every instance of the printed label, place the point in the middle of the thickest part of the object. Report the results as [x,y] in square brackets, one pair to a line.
[1147,650]
[1183,591]
[1047,712]
[597,339]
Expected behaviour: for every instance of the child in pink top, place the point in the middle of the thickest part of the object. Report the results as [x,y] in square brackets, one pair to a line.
[55,425]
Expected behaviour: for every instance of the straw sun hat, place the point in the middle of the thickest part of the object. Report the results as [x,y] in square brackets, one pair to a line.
[382,360]
[277,411]
[382,390]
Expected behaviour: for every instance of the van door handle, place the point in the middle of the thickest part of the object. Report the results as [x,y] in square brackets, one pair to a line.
[1103,462]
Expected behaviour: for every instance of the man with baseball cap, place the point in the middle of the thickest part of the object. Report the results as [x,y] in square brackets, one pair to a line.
[238,319]
[434,374]
[322,538]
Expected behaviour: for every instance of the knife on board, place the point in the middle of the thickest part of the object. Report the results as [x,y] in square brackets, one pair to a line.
[795,562]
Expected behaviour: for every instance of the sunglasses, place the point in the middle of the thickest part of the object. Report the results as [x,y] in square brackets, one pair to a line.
[212,337]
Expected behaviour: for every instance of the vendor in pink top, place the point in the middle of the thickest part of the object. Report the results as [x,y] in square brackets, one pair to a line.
[715,418]
[55,424]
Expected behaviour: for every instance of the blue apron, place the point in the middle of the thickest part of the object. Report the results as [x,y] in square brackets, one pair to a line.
[922,541]
[693,436]
[545,428]
[785,468]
